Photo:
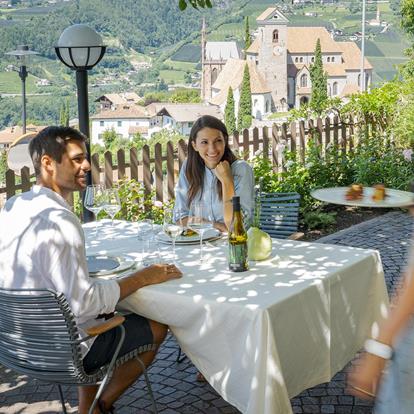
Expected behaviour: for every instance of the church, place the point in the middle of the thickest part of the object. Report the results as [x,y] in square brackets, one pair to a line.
[279,61]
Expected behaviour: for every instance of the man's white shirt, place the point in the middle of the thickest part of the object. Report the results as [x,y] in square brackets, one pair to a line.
[42,245]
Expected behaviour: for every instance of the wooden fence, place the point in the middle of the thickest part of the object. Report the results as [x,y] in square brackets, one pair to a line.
[158,167]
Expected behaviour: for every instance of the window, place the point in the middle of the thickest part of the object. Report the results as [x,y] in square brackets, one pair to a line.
[332,59]
[214,75]
[301,60]
[304,81]
[255,102]
[101,123]
[275,36]
[328,59]
[190,124]
[119,123]
[312,59]
[296,59]
[359,80]
[267,106]
[335,89]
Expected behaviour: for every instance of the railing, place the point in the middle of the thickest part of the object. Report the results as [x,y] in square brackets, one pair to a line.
[159,168]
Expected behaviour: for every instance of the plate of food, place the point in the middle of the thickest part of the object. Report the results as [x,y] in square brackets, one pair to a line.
[103,265]
[360,196]
[189,236]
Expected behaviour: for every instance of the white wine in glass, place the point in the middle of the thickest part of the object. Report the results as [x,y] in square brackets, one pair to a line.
[171,228]
[200,219]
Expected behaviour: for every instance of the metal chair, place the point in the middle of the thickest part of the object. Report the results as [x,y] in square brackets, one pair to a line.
[279,214]
[39,338]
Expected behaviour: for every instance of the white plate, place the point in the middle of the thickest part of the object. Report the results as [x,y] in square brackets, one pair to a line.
[209,235]
[336,195]
[102,265]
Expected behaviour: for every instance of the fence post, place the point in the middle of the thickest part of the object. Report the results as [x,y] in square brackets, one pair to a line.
[133,163]
[293,136]
[182,152]
[158,171]
[255,140]
[246,144]
[109,174]
[266,142]
[96,171]
[302,140]
[170,170]
[327,133]
[10,184]
[25,176]
[335,130]
[319,128]
[275,142]
[120,155]
[146,167]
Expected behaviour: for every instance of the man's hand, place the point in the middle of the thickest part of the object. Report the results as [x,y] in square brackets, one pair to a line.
[151,275]
[159,273]
[223,171]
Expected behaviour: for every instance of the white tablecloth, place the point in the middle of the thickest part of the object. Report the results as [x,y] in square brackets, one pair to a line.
[263,336]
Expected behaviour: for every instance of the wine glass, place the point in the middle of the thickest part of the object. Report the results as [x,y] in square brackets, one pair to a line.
[200,220]
[112,204]
[172,228]
[94,200]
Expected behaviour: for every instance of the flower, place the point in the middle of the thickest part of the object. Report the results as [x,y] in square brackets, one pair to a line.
[408,154]
[158,204]
[258,153]
[309,165]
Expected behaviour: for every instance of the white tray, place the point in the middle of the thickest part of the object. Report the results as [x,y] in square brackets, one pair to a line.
[336,195]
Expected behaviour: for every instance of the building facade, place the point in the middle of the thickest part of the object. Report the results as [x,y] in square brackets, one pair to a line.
[279,62]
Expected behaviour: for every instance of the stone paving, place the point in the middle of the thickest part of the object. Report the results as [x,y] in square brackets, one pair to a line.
[175,387]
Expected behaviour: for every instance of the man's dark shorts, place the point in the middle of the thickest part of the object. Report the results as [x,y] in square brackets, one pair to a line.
[137,333]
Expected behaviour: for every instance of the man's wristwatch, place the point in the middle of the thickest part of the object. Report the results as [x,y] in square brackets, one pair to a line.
[378,348]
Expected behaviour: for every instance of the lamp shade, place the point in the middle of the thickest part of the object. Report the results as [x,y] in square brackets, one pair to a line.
[18,155]
[80,47]
[22,54]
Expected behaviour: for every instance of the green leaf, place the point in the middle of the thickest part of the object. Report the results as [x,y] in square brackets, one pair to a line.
[182,4]
[209,4]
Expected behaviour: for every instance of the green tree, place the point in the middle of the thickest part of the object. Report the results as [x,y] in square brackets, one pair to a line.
[64,114]
[110,139]
[407,16]
[244,119]
[247,37]
[319,81]
[182,4]
[3,166]
[229,115]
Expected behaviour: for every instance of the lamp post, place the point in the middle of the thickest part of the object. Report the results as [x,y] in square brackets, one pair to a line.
[22,54]
[80,48]
[362,74]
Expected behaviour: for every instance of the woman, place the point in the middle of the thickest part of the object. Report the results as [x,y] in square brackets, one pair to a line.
[212,174]
[396,340]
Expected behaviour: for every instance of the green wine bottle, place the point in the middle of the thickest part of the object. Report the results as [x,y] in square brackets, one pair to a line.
[238,259]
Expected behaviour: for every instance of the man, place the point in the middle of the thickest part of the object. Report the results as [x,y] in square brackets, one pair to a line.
[42,246]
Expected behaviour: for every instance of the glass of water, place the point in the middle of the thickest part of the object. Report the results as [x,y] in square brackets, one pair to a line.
[146,237]
[112,204]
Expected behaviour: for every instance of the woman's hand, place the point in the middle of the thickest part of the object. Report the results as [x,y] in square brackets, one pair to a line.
[364,378]
[223,171]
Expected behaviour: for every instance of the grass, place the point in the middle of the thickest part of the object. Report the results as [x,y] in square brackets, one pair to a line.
[11,83]
[172,76]
[183,66]
[384,67]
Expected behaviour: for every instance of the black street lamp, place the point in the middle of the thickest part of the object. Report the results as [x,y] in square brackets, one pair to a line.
[22,53]
[80,48]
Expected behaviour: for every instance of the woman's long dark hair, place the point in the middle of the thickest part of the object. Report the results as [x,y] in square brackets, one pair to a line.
[195,165]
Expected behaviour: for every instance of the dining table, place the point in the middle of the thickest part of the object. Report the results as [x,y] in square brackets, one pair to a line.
[262,336]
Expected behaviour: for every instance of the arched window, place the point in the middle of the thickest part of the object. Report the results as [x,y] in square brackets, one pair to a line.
[275,36]
[333,59]
[301,60]
[214,75]
[312,59]
[335,89]
[304,81]
[359,80]
[296,59]
[267,106]
[328,59]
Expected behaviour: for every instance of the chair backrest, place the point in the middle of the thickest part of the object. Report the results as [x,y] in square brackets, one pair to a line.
[38,335]
[279,213]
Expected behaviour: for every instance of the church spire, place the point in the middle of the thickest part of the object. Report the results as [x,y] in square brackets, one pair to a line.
[203,41]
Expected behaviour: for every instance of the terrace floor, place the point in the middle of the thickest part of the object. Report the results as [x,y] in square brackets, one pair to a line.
[175,387]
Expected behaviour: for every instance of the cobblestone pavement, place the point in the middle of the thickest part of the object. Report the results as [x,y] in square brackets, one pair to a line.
[174,383]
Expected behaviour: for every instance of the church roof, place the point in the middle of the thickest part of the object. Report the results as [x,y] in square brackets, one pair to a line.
[189,112]
[352,56]
[124,112]
[273,15]
[222,51]
[254,47]
[266,13]
[350,89]
[232,76]
[303,40]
